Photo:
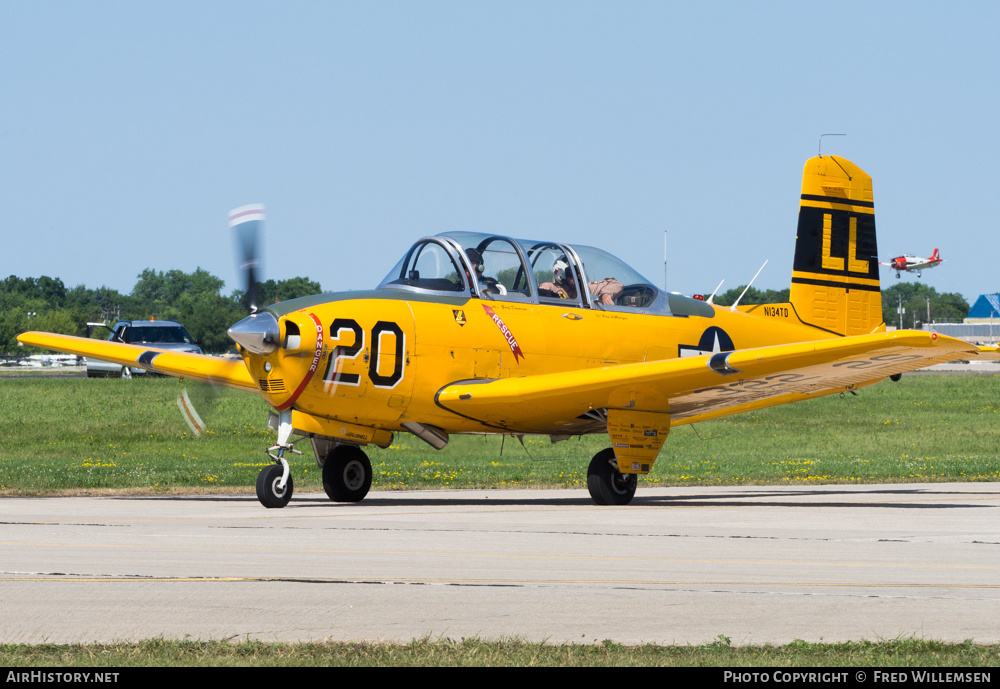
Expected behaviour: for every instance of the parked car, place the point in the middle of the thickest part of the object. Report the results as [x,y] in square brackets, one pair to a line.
[156,334]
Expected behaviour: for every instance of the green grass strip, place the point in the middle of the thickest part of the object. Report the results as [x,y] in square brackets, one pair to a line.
[80,436]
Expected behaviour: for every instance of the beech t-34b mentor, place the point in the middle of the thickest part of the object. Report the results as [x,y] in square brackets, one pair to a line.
[475,333]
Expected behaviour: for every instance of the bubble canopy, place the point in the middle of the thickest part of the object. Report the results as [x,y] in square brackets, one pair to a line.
[495,267]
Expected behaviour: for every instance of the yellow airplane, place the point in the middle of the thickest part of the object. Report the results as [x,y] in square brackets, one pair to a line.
[475,333]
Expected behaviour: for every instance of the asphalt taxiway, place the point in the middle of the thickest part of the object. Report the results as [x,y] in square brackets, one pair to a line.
[677,566]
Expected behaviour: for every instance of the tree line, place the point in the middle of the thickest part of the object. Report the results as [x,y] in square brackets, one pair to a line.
[949,307]
[194,299]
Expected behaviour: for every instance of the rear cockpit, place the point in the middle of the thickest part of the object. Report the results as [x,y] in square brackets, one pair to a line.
[498,268]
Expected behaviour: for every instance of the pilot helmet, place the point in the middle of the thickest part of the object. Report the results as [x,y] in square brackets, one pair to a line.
[476,259]
[561,272]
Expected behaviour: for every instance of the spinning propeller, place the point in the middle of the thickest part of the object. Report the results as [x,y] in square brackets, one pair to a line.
[258,332]
[248,224]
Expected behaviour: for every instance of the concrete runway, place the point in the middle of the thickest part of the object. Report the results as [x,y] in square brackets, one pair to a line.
[678,566]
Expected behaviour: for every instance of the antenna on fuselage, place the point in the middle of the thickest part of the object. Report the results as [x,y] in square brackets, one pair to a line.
[820,152]
[733,307]
[664,260]
[709,300]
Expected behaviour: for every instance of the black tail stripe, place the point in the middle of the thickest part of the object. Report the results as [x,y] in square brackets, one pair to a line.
[843,285]
[837,199]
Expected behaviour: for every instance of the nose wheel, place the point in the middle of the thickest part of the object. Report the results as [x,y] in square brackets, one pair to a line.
[270,492]
[608,485]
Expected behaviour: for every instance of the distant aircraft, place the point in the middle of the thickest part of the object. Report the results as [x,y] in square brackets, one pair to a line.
[910,263]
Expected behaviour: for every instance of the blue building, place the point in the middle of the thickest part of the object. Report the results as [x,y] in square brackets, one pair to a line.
[987,306]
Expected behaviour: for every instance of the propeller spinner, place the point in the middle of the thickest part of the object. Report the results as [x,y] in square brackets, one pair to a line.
[258,332]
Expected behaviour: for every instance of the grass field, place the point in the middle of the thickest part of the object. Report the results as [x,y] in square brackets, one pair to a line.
[501,653]
[74,435]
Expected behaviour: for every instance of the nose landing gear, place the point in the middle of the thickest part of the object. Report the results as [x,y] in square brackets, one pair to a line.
[274,483]
[270,490]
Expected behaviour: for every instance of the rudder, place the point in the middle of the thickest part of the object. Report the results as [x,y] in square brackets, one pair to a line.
[835,280]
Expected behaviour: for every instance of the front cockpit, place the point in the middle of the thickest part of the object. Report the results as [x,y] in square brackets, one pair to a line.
[494,267]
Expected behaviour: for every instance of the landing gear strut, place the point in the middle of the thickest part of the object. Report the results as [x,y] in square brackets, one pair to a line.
[274,483]
[607,485]
[347,474]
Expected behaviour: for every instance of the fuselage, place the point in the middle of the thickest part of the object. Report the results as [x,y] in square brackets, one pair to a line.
[379,358]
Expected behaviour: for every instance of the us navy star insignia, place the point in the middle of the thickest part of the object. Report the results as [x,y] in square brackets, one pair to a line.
[713,341]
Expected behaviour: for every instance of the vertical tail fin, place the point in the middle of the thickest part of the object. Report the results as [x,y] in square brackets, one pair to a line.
[935,256]
[835,282]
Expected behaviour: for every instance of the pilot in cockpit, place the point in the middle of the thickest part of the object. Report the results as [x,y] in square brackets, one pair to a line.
[563,284]
[488,284]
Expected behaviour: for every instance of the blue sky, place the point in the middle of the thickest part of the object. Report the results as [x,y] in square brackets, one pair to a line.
[129,129]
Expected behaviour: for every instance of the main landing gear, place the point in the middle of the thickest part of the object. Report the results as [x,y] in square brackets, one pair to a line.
[347,474]
[607,485]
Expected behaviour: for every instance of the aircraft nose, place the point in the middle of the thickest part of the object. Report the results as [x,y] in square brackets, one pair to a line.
[258,332]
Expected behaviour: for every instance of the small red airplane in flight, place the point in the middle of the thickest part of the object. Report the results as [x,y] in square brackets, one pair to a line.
[910,263]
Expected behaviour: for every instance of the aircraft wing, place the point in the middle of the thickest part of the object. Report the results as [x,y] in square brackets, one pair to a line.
[232,373]
[699,388]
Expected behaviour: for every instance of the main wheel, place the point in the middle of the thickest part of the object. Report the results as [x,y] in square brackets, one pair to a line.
[126,373]
[347,474]
[607,485]
[267,487]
